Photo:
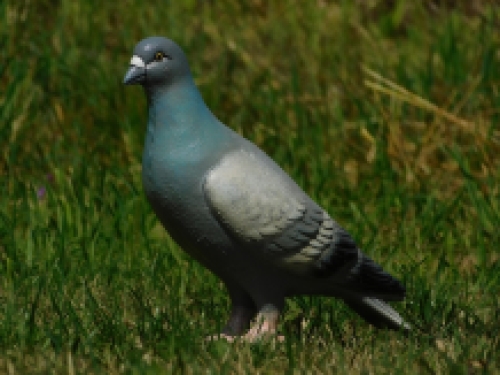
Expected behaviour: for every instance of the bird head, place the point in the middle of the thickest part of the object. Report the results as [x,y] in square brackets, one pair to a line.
[156,61]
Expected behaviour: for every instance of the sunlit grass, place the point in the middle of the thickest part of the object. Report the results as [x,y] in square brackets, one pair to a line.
[386,115]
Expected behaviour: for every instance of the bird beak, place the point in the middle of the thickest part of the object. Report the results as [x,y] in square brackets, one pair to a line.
[136,73]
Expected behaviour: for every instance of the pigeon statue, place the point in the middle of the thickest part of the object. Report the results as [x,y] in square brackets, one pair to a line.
[233,209]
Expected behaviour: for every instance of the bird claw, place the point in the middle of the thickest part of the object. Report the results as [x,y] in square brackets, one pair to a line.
[250,337]
[220,336]
[263,337]
[264,329]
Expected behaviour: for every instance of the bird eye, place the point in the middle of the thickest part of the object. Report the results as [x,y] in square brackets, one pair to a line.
[159,56]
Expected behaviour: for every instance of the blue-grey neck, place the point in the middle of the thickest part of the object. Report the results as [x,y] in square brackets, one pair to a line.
[178,110]
[183,138]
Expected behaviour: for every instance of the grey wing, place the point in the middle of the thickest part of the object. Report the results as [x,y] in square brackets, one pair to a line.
[258,204]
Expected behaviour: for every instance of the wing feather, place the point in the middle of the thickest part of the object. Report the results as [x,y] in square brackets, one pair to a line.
[261,206]
[258,204]
[250,198]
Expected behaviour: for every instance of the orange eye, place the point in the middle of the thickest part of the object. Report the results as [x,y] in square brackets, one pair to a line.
[159,56]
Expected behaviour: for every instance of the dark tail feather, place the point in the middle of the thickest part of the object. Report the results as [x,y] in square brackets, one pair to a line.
[362,283]
[345,262]
[377,313]
[370,279]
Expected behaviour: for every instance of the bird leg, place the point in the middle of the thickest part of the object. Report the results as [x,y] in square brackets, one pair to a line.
[239,320]
[243,310]
[265,325]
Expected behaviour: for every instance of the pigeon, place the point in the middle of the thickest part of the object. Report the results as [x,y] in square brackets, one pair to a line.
[232,208]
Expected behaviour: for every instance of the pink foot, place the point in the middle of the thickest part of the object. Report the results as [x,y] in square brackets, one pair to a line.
[263,329]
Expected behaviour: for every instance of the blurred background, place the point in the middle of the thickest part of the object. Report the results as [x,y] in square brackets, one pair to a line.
[385,112]
[277,73]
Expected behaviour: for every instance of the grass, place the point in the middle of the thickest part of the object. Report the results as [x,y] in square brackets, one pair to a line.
[387,115]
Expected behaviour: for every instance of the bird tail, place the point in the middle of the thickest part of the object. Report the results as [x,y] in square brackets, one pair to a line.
[362,283]
[371,280]
[374,285]
[377,312]
[351,269]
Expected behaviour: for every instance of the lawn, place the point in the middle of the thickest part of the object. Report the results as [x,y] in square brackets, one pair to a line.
[386,112]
